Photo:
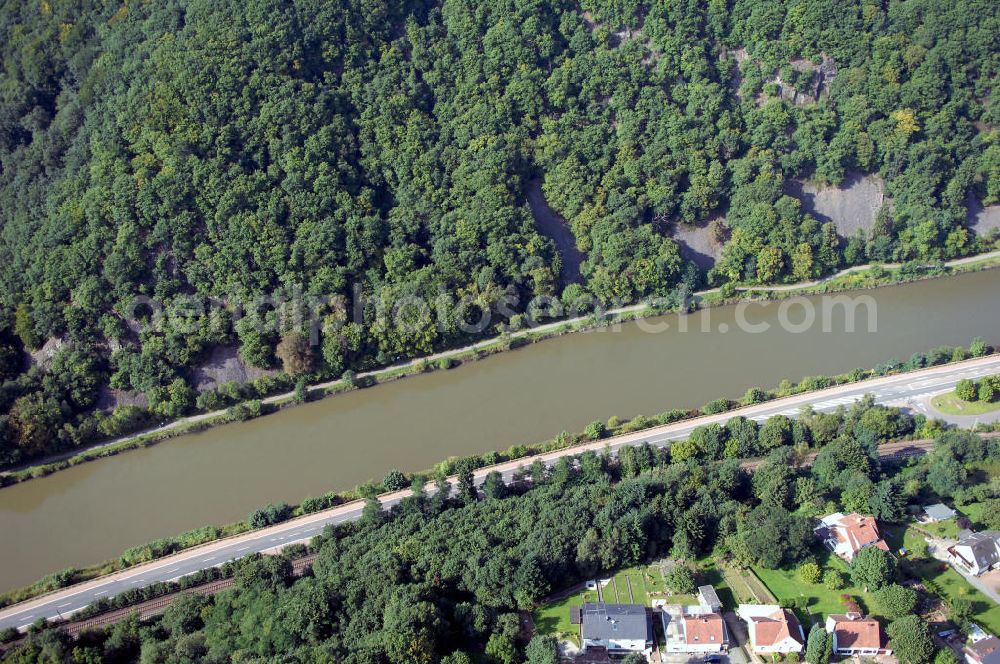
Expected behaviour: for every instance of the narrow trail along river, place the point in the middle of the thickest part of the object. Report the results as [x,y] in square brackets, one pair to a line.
[94,511]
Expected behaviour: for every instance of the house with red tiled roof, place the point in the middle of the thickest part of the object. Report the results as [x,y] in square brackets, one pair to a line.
[846,535]
[695,629]
[772,629]
[854,635]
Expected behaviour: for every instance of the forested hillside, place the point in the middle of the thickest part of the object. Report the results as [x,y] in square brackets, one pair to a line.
[232,149]
[451,579]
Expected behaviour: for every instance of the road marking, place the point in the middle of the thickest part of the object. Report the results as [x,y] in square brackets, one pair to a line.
[64,605]
[243,548]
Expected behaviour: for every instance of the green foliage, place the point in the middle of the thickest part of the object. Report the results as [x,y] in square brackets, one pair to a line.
[818,645]
[395,480]
[596,430]
[809,572]
[680,579]
[833,580]
[895,601]
[269,515]
[542,650]
[770,537]
[910,640]
[966,390]
[872,568]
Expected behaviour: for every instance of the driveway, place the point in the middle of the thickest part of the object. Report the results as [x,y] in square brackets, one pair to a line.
[988,583]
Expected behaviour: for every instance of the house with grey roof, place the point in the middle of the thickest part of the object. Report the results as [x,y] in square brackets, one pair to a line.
[708,597]
[976,553]
[938,512]
[617,628]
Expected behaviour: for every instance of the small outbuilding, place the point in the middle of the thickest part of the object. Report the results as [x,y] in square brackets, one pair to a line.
[939,512]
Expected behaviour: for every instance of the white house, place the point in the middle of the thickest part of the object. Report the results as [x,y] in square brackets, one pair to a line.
[845,535]
[618,628]
[772,629]
[976,552]
[696,629]
[854,635]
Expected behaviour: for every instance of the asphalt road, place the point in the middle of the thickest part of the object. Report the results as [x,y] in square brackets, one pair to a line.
[889,390]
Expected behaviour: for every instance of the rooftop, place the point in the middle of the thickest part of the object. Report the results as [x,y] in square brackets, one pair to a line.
[856,632]
[939,512]
[985,651]
[709,597]
[772,624]
[704,628]
[622,621]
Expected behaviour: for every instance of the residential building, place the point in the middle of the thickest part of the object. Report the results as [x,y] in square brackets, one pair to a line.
[854,635]
[772,629]
[847,535]
[696,629]
[938,512]
[985,651]
[616,628]
[976,553]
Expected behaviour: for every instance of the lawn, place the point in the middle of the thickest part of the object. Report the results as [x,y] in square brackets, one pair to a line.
[974,512]
[949,403]
[553,618]
[947,529]
[788,588]
[941,578]
[632,585]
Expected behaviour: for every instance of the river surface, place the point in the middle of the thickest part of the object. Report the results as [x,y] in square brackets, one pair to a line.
[94,511]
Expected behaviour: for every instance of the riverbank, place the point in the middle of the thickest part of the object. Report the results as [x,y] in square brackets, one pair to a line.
[855,278]
[616,432]
[291,529]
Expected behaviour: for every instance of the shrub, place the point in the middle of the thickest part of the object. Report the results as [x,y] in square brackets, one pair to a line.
[680,579]
[833,580]
[269,515]
[966,390]
[596,430]
[395,481]
[715,407]
[895,601]
[809,572]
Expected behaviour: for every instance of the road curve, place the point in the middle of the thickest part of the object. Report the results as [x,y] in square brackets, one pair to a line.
[890,389]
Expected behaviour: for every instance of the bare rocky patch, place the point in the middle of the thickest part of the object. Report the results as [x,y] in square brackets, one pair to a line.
[982,220]
[851,206]
[698,244]
[225,365]
[43,356]
[109,399]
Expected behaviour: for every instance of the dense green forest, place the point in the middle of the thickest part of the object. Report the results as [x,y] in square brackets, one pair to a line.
[446,579]
[366,151]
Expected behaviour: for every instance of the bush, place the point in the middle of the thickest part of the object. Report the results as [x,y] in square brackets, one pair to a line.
[966,390]
[989,389]
[895,601]
[596,430]
[395,481]
[809,572]
[269,515]
[833,580]
[715,407]
[680,579]
[245,411]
